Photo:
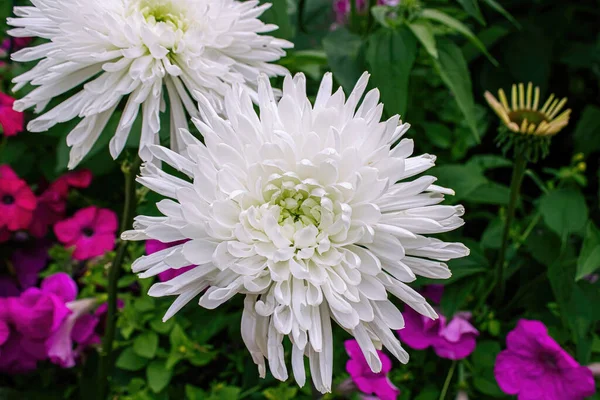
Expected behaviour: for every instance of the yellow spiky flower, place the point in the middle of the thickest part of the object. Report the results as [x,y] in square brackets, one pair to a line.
[523,115]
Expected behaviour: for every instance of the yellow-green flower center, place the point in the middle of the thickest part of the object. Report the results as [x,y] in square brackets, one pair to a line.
[298,206]
[163,11]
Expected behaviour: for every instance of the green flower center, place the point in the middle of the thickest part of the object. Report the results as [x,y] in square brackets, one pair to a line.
[163,11]
[298,206]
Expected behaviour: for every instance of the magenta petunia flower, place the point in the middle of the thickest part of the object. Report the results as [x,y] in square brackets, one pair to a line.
[46,323]
[17,201]
[78,327]
[365,380]
[52,202]
[154,246]
[91,231]
[20,354]
[37,313]
[11,121]
[29,261]
[535,367]
[454,339]
[15,44]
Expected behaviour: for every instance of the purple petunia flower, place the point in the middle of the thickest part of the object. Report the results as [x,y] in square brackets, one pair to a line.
[534,366]
[154,246]
[365,380]
[454,339]
[45,323]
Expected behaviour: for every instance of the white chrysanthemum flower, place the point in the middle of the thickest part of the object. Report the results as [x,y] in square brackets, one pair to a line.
[307,211]
[131,48]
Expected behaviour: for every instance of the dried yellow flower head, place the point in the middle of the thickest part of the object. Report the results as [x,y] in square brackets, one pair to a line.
[523,115]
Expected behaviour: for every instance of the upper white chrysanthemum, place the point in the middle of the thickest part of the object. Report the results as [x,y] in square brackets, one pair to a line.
[119,48]
[307,211]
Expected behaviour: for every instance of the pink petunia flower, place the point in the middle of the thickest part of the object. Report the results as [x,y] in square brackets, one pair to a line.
[154,246]
[365,380]
[52,202]
[15,44]
[454,339]
[92,231]
[534,366]
[78,327]
[11,121]
[17,201]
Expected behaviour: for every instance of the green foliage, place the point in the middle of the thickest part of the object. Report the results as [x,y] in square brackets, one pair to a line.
[390,58]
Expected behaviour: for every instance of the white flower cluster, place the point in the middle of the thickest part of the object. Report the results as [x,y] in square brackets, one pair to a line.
[102,51]
[312,211]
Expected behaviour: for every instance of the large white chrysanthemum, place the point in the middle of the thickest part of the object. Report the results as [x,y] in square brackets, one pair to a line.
[307,211]
[131,48]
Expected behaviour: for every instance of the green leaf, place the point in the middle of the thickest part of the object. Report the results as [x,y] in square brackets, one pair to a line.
[589,257]
[425,34]
[194,393]
[484,358]
[564,211]
[463,179]
[129,361]
[144,303]
[344,52]
[145,345]
[472,8]
[496,6]
[222,392]
[455,296]
[453,23]
[390,56]
[178,337]
[489,161]
[587,131]
[278,15]
[438,134]
[161,327]
[158,375]
[490,193]
[488,36]
[485,354]
[492,236]
[453,70]
[282,392]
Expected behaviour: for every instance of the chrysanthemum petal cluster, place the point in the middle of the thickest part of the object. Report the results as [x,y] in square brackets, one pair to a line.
[309,210]
[105,52]
[523,115]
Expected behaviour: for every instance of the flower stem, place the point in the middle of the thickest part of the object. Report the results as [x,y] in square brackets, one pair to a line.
[448,380]
[129,171]
[515,188]
[300,22]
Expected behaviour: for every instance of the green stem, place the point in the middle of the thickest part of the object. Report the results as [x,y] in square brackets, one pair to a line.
[448,380]
[300,22]
[515,188]
[129,172]
[353,20]
[534,221]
